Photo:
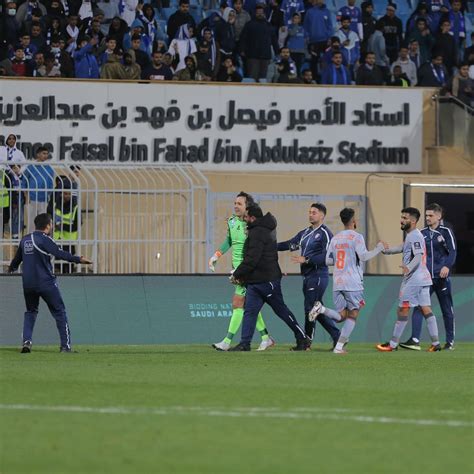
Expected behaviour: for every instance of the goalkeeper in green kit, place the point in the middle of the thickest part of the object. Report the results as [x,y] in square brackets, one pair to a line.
[236,237]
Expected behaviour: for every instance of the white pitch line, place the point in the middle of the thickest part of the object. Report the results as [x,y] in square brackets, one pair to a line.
[242,412]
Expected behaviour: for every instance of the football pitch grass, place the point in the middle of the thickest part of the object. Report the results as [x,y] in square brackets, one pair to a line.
[190,409]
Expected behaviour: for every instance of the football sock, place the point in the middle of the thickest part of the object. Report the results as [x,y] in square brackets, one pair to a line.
[345,333]
[331,313]
[234,325]
[400,325]
[432,328]
[261,328]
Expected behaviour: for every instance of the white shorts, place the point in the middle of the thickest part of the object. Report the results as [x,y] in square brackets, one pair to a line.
[412,296]
[348,300]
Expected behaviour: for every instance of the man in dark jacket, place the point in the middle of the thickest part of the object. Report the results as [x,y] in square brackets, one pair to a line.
[446,45]
[178,18]
[434,73]
[392,30]
[35,251]
[261,274]
[369,74]
[256,42]
[368,23]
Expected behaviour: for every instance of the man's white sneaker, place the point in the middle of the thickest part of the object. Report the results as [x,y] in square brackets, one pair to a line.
[267,343]
[315,311]
[339,351]
[221,346]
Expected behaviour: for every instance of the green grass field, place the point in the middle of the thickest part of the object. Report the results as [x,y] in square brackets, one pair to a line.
[189,409]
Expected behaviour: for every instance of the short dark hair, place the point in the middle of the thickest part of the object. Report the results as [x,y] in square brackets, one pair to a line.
[346,215]
[320,207]
[41,149]
[413,212]
[254,210]
[42,221]
[248,198]
[434,206]
[136,37]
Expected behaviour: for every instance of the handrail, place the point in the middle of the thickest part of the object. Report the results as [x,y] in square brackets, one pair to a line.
[455,100]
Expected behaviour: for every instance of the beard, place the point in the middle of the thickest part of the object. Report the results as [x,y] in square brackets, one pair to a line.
[405,226]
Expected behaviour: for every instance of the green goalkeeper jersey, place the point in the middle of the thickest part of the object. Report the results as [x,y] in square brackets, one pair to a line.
[236,237]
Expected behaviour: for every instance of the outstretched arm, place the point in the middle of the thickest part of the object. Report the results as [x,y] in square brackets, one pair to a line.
[393,250]
[367,255]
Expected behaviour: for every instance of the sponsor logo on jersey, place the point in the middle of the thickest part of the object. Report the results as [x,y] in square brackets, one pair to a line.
[28,247]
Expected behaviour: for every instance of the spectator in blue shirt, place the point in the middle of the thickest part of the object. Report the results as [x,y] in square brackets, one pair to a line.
[39,184]
[458,26]
[336,73]
[289,9]
[85,63]
[350,41]
[355,16]
[296,41]
[318,29]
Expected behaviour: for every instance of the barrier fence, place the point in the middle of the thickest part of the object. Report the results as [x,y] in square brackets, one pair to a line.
[123,217]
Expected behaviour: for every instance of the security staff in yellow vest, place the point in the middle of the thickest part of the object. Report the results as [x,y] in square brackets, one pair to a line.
[64,210]
[4,198]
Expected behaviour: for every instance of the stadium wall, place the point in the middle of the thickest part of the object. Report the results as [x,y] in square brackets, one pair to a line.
[154,309]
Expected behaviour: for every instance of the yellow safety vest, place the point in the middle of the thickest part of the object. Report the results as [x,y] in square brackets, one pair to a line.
[4,192]
[64,221]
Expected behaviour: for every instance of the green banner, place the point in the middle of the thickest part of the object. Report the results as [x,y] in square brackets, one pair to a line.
[178,309]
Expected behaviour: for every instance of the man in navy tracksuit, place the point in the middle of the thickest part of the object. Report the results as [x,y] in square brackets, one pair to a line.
[440,258]
[35,251]
[313,243]
[261,274]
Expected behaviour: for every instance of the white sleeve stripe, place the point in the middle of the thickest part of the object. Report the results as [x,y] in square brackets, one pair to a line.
[37,248]
[327,236]
[451,235]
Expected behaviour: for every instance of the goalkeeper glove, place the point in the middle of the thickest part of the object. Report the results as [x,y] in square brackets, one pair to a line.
[213,260]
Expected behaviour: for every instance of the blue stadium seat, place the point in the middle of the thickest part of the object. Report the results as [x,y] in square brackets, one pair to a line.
[337,5]
[208,13]
[248,79]
[167,12]
[162,24]
[196,12]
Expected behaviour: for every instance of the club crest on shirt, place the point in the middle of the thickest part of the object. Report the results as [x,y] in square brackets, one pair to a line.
[440,238]
[317,236]
[417,245]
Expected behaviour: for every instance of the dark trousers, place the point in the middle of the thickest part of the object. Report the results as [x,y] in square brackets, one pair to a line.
[442,288]
[257,68]
[256,296]
[316,50]
[53,299]
[313,290]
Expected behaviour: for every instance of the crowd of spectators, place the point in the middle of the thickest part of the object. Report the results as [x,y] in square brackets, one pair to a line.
[282,41]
